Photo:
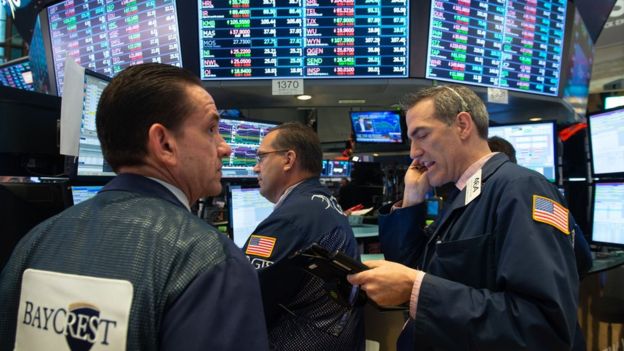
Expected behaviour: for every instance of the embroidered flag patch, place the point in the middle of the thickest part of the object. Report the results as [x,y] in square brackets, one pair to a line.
[260,245]
[550,212]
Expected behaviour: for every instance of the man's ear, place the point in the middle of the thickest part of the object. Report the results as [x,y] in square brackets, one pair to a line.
[291,157]
[465,124]
[161,144]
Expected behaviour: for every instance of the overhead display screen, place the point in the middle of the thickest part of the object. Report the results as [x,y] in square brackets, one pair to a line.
[108,36]
[510,44]
[267,39]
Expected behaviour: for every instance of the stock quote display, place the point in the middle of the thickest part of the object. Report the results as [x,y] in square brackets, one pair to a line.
[510,44]
[17,75]
[268,39]
[107,36]
[244,137]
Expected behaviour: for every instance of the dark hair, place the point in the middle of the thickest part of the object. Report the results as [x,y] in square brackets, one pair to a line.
[499,144]
[135,99]
[304,141]
[449,100]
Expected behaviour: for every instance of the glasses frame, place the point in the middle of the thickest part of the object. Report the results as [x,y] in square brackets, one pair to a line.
[260,156]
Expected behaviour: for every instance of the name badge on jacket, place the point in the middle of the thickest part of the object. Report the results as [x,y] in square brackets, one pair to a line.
[473,187]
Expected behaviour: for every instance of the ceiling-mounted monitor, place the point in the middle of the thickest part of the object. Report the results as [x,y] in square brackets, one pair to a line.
[535,145]
[269,39]
[377,127]
[515,45]
[606,141]
[108,36]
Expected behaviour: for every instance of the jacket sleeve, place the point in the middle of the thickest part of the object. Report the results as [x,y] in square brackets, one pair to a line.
[402,235]
[220,310]
[533,304]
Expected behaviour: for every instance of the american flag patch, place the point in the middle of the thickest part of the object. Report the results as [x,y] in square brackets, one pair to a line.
[260,245]
[548,211]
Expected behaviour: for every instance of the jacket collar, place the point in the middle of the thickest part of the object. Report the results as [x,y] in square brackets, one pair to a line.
[142,185]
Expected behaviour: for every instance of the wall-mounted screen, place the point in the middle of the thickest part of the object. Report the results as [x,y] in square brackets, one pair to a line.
[82,193]
[108,36]
[244,137]
[608,214]
[247,209]
[267,39]
[579,67]
[17,74]
[606,140]
[535,145]
[377,126]
[91,162]
[336,169]
[510,44]
[613,101]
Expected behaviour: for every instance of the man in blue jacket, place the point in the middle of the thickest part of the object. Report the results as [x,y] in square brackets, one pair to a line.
[299,311]
[496,271]
[132,268]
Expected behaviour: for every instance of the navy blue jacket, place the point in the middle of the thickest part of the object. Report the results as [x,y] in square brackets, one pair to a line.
[300,315]
[496,278]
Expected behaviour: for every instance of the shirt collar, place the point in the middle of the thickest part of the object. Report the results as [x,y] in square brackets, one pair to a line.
[285,194]
[461,183]
[175,191]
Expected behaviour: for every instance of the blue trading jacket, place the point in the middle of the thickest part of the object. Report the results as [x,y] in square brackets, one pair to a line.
[300,315]
[496,278]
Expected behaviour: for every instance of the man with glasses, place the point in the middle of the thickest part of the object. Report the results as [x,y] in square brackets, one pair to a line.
[496,270]
[300,314]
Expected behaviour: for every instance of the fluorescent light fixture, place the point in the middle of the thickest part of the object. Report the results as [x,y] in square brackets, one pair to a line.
[304,97]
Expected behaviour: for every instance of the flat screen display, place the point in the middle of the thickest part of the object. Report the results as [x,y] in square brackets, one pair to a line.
[579,67]
[606,140]
[108,36]
[244,137]
[377,127]
[608,214]
[613,101]
[267,39]
[336,168]
[247,209]
[85,192]
[17,74]
[534,144]
[90,159]
[510,44]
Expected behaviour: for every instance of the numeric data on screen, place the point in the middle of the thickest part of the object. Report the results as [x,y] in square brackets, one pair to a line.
[510,44]
[107,36]
[269,39]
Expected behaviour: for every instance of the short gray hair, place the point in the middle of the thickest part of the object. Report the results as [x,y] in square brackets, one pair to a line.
[448,101]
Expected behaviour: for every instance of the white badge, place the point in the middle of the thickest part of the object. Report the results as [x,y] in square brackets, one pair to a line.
[71,312]
[473,187]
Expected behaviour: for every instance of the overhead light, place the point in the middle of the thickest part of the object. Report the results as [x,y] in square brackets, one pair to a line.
[535,119]
[351,101]
[304,97]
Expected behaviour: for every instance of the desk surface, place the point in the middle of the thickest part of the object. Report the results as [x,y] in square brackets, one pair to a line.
[613,260]
[365,230]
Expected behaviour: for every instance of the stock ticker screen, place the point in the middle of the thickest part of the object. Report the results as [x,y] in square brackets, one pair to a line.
[244,138]
[108,36]
[17,74]
[268,39]
[510,44]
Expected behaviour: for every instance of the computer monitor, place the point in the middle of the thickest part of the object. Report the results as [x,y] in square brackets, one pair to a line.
[608,213]
[17,74]
[336,169]
[377,127]
[613,102]
[90,162]
[535,145]
[247,209]
[23,206]
[81,193]
[513,45]
[108,36]
[606,142]
[244,137]
[297,39]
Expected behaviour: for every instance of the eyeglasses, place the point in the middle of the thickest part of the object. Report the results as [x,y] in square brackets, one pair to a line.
[261,155]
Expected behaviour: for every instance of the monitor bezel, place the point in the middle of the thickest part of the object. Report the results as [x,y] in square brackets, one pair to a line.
[555,142]
[401,127]
[592,206]
[590,117]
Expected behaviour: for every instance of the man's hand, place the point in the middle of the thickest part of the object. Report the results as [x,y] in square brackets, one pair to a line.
[416,184]
[387,283]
